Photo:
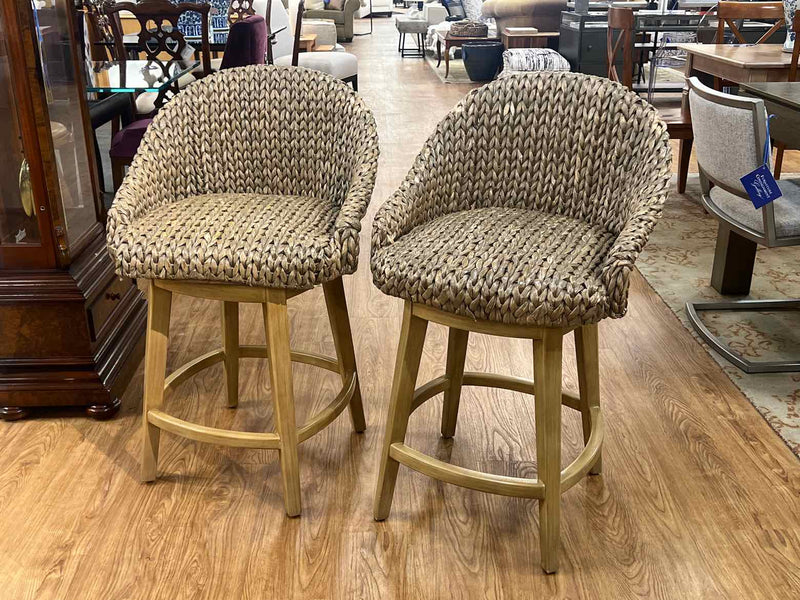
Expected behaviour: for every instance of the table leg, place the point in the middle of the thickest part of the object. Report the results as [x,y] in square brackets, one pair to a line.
[446,60]
[438,52]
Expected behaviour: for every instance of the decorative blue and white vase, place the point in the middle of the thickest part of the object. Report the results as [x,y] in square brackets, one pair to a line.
[789,6]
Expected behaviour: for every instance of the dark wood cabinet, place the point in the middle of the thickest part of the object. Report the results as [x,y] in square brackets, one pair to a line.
[71,331]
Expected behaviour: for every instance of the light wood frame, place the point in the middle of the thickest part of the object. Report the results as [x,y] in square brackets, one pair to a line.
[551,480]
[277,350]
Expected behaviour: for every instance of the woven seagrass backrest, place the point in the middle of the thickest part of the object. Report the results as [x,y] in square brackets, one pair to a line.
[259,129]
[563,143]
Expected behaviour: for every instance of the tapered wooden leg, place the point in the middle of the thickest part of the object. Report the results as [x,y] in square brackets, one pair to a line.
[684,155]
[406,368]
[155,366]
[456,353]
[343,340]
[779,150]
[230,345]
[117,173]
[276,320]
[586,352]
[547,388]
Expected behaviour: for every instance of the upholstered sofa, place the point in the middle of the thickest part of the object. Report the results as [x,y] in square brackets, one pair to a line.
[545,15]
[342,18]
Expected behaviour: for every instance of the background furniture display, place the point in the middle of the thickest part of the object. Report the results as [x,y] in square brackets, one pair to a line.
[482,58]
[415,27]
[70,331]
[443,38]
[731,133]
[262,235]
[545,15]
[341,65]
[672,110]
[162,43]
[343,18]
[583,36]
[532,266]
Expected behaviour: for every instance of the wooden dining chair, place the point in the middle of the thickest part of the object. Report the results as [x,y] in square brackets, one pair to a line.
[619,40]
[730,12]
[162,42]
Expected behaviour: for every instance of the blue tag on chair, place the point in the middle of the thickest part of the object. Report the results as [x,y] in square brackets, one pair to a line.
[760,184]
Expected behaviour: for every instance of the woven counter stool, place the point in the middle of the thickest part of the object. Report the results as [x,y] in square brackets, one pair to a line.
[521,217]
[249,186]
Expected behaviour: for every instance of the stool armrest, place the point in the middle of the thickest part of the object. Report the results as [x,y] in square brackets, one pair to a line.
[626,249]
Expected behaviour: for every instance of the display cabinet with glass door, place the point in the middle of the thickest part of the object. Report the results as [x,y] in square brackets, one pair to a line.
[71,331]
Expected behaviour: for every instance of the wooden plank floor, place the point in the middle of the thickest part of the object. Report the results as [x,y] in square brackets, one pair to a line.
[699,498]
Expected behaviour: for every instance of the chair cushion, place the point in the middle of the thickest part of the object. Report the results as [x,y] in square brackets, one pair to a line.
[126,141]
[511,265]
[786,208]
[338,64]
[253,239]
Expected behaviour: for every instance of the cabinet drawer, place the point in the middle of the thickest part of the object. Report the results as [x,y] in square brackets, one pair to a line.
[105,303]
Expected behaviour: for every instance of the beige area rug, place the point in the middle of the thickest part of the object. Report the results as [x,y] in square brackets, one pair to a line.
[677,264]
[458,74]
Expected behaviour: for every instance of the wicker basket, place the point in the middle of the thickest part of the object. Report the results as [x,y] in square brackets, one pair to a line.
[467,28]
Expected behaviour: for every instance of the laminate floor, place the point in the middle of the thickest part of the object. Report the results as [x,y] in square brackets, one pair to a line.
[699,497]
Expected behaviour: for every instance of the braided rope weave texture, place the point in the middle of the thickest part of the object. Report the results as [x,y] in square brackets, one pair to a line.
[258,175]
[529,203]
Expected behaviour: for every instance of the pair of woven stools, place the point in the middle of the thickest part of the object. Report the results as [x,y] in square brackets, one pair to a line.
[521,217]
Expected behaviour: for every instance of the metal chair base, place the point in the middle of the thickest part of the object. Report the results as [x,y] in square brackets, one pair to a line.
[748,366]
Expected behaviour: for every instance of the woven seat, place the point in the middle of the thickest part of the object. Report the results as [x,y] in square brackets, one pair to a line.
[521,217]
[470,259]
[251,239]
[248,186]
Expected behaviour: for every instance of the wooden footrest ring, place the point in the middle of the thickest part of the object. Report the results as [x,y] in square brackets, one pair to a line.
[247,439]
[499,484]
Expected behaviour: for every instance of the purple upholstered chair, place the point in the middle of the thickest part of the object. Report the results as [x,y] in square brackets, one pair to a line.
[247,43]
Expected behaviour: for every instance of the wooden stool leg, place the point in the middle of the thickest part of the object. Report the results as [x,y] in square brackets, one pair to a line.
[409,352]
[230,345]
[276,320]
[456,353]
[586,352]
[547,387]
[343,340]
[155,367]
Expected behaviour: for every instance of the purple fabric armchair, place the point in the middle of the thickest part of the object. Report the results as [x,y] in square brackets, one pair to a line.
[247,43]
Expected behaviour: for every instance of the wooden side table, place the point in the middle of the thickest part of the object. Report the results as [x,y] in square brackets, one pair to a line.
[307,41]
[452,41]
[526,37]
